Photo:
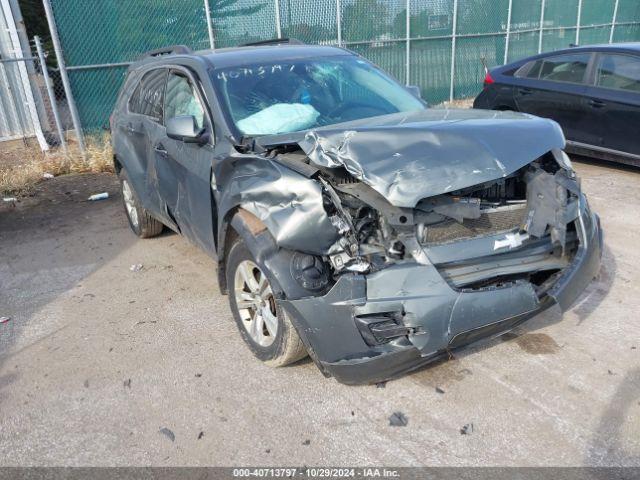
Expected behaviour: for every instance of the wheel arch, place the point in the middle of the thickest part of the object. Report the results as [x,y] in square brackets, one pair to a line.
[237,223]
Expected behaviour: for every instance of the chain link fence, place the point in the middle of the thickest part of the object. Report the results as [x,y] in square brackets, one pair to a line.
[439,45]
[32,100]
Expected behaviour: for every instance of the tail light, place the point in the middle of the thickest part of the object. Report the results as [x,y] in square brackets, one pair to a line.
[488,79]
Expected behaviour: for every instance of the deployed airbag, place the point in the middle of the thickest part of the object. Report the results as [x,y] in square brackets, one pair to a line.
[279,118]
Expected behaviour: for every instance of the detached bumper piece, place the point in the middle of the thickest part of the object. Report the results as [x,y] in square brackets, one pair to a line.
[370,328]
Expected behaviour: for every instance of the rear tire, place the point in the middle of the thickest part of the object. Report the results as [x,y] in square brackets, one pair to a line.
[140,220]
[264,325]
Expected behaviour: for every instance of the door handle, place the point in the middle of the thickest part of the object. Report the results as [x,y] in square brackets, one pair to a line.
[160,149]
[597,103]
[525,91]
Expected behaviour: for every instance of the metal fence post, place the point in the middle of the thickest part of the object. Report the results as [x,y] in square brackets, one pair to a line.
[51,94]
[613,21]
[207,10]
[542,5]
[506,40]
[408,38]
[578,22]
[278,27]
[454,32]
[75,118]
[339,22]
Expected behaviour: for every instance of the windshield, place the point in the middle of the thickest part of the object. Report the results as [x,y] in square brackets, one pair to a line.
[269,98]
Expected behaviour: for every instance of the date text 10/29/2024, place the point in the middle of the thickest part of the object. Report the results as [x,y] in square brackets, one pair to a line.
[315,472]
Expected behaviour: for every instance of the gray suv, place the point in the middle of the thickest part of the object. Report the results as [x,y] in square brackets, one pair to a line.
[349,221]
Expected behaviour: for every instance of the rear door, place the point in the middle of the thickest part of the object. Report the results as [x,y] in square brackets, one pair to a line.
[614,101]
[142,124]
[184,169]
[552,87]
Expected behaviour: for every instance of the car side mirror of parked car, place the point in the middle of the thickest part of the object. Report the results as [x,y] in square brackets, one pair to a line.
[185,129]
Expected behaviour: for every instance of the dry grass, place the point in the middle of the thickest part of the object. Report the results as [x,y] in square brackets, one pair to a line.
[22,166]
[459,103]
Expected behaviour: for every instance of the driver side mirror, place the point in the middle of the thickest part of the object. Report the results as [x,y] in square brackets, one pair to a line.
[414,90]
[185,129]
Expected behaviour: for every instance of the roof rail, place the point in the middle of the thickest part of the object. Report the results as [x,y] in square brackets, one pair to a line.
[274,41]
[171,49]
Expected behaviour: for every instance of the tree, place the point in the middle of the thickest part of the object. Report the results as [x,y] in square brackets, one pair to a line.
[35,22]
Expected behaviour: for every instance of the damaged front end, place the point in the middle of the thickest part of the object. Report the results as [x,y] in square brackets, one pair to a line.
[409,280]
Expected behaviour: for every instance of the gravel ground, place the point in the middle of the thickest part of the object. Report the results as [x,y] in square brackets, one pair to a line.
[96,360]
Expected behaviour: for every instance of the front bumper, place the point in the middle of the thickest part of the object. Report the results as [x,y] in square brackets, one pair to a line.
[438,317]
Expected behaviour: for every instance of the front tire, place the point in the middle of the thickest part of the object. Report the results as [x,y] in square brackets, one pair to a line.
[264,325]
[140,220]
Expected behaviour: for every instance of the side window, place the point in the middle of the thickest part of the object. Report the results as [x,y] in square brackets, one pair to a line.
[528,70]
[181,99]
[563,68]
[621,72]
[147,98]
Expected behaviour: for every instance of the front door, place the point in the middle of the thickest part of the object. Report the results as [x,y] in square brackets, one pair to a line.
[184,169]
[615,100]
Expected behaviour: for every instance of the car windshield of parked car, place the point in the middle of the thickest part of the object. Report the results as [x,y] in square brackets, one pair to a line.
[293,95]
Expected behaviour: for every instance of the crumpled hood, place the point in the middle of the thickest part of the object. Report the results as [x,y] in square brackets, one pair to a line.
[407,157]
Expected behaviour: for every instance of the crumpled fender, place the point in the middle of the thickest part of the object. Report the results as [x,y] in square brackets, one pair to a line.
[289,205]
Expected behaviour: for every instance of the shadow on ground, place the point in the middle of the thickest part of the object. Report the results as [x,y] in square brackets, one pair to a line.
[50,240]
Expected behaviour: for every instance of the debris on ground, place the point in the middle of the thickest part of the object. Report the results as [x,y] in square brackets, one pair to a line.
[200,435]
[145,321]
[398,419]
[127,383]
[99,196]
[439,390]
[48,176]
[198,375]
[136,267]
[268,450]
[467,429]
[381,384]
[168,433]
[307,442]
[610,372]
[86,384]
[4,319]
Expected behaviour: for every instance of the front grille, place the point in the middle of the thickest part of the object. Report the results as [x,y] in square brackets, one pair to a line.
[495,221]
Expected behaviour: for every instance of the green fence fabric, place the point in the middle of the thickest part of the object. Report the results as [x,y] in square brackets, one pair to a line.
[443,50]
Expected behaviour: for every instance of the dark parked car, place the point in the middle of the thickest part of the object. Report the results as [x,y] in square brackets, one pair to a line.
[349,221]
[593,92]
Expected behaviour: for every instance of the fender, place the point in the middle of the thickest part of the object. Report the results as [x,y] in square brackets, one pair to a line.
[287,203]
